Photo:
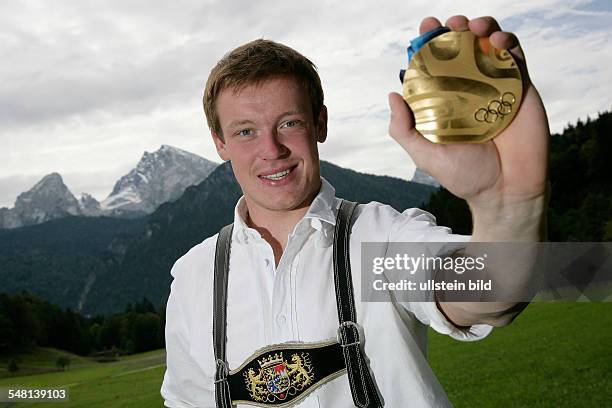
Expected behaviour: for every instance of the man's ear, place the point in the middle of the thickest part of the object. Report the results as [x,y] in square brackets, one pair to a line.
[220,145]
[322,125]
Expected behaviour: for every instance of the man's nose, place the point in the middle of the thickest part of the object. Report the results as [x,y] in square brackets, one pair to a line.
[271,146]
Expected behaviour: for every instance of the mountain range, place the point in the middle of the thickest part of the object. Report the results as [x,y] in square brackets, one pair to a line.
[158,177]
[101,264]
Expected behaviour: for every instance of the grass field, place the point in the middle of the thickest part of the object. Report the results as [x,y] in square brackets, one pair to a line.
[41,360]
[553,355]
[134,381]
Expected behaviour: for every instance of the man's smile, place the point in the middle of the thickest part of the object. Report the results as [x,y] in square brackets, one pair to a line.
[277,175]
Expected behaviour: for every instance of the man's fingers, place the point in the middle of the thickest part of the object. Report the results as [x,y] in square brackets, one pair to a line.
[504,40]
[458,23]
[489,27]
[483,26]
[507,41]
[428,24]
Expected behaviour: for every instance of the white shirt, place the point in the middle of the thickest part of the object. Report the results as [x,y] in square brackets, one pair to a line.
[295,301]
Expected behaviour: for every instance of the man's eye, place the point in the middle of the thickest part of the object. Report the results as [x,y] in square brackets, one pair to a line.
[291,123]
[245,132]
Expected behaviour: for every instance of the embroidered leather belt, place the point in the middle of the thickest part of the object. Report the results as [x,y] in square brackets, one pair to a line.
[284,374]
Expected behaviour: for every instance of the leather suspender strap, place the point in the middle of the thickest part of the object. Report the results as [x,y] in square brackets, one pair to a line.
[363,389]
[222,257]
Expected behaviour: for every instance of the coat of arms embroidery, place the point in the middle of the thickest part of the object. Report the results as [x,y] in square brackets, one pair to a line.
[279,379]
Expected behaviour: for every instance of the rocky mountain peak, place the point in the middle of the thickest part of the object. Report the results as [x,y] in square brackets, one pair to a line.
[89,205]
[160,176]
[50,181]
[50,186]
[423,178]
[48,199]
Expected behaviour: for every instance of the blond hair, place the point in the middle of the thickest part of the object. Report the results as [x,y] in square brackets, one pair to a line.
[253,63]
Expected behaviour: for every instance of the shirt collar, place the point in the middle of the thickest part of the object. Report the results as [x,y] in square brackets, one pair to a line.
[322,209]
[324,204]
[242,232]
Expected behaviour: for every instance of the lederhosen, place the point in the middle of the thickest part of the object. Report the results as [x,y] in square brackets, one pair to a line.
[283,374]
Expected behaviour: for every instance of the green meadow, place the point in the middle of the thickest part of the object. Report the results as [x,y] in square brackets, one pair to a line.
[553,355]
[133,381]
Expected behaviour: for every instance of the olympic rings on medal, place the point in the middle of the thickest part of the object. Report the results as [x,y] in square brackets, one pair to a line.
[497,108]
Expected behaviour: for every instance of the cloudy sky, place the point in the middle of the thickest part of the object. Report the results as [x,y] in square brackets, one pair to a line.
[87,86]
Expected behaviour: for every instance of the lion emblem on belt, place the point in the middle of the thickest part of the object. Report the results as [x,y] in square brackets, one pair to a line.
[277,378]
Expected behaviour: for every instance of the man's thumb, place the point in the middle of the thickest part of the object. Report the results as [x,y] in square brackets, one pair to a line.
[401,126]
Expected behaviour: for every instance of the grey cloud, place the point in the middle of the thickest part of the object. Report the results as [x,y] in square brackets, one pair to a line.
[119,59]
[96,83]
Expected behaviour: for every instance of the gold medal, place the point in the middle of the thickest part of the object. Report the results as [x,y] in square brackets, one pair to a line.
[462,89]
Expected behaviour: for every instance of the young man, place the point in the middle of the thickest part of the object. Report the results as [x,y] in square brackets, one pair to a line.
[264,106]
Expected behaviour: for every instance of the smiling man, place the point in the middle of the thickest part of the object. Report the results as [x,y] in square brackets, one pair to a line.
[268,131]
[272,322]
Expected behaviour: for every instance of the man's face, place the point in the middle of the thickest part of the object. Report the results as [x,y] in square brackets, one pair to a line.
[270,137]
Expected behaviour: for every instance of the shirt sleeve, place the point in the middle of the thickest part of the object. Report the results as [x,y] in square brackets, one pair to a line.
[184,383]
[415,225]
[429,314]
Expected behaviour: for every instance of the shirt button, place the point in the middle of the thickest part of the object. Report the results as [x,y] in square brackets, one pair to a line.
[267,262]
[281,320]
